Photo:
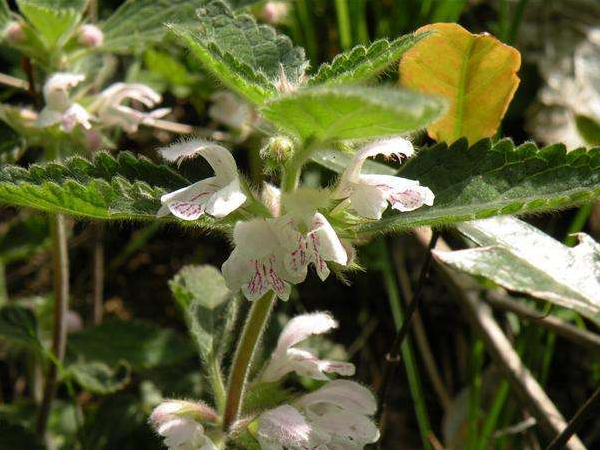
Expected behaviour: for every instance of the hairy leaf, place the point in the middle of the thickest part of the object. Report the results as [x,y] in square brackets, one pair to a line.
[137,23]
[522,258]
[99,378]
[19,325]
[351,112]
[125,187]
[245,56]
[209,307]
[55,20]
[495,179]
[362,63]
[477,73]
[140,344]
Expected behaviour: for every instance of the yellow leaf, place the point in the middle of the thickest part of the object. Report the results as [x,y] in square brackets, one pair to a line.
[476,72]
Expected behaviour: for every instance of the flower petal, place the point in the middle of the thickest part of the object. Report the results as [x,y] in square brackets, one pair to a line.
[55,89]
[411,198]
[325,243]
[255,239]
[349,429]
[189,203]
[226,200]
[346,394]
[368,201]
[302,327]
[304,363]
[286,427]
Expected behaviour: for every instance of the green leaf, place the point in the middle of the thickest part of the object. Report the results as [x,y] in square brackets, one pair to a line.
[137,23]
[495,179]
[19,325]
[25,237]
[244,56]
[522,258]
[125,187]
[4,17]
[351,112]
[98,378]
[54,20]
[363,63]
[142,345]
[209,306]
[589,129]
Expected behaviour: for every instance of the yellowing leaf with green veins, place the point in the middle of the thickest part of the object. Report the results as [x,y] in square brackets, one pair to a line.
[476,72]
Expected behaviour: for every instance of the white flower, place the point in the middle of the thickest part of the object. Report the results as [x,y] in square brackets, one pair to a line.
[231,111]
[59,108]
[286,358]
[256,264]
[369,194]
[90,36]
[112,112]
[216,196]
[178,422]
[334,417]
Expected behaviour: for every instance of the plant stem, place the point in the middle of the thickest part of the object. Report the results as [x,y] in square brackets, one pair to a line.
[216,382]
[58,231]
[394,354]
[291,175]
[244,356]
[343,20]
[584,413]
[98,274]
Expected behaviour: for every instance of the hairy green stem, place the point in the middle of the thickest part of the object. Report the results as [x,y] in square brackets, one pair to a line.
[216,382]
[58,230]
[291,175]
[244,356]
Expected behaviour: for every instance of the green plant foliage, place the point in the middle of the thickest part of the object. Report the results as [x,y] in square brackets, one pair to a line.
[490,179]
[137,23]
[351,112]
[4,17]
[55,20]
[125,187]
[142,345]
[25,236]
[98,378]
[245,56]
[18,325]
[520,257]
[17,437]
[363,63]
[209,306]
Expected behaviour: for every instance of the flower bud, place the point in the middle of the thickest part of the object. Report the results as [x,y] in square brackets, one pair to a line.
[172,409]
[278,148]
[90,36]
[15,33]
[274,12]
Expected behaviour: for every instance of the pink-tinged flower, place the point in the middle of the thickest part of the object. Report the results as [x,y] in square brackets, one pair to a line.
[112,112]
[287,358]
[14,33]
[179,422]
[90,36]
[256,264]
[334,417]
[369,195]
[59,108]
[217,196]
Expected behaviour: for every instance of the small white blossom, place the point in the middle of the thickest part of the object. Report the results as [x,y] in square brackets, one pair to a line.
[369,195]
[334,417]
[287,358]
[217,196]
[111,110]
[59,108]
[178,422]
[90,36]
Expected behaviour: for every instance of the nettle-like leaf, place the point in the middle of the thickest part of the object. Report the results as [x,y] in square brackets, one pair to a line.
[476,72]
[55,20]
[125,187]
[19,325]
[142,345]
[209,307]
[522,258]
[351,112]
[245,56]
[363,63]
[489,179]
[99,378]
[137,23]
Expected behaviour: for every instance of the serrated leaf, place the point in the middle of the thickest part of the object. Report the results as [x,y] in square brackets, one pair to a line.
[210,308]
[488,179]
[475,72]
[137,23]
[363,63]
[125,187]
[54,20]
[351,112]
[99,378]
[19,325]
[142,345]
[243,55]
[522,258]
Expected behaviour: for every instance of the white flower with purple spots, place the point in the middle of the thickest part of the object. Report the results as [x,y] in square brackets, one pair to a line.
[369,195]
[216,196]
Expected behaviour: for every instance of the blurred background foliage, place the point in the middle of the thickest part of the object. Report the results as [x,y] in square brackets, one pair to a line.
[141,346]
